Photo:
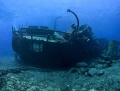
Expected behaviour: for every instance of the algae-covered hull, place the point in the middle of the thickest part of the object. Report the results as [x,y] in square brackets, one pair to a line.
[51,49]
[45,46]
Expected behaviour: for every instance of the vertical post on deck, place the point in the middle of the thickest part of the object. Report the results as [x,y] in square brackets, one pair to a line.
[31,39]
[21,32]
[12,29]
[39,45]
[48,35]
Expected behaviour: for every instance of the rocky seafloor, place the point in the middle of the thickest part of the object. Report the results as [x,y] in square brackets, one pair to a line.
[98,75]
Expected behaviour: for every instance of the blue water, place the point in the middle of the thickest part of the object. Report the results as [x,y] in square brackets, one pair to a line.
[103,16]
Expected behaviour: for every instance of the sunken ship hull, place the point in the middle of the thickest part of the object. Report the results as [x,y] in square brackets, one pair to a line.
[49,47]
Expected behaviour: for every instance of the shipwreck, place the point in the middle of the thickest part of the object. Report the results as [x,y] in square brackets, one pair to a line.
[52,48]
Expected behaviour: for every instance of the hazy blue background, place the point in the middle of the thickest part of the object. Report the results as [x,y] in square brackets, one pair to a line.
[102,15]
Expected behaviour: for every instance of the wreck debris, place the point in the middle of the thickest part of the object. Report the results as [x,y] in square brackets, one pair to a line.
[55,22]
[75,31]
[68,10]
[112,49]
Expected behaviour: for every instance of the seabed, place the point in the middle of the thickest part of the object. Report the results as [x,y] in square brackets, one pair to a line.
[99,75]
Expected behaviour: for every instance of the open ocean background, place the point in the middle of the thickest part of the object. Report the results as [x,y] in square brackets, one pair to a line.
[103,16]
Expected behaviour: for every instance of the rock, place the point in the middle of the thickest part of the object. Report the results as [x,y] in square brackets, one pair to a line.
[109,63]
[86,74]
[102,61]
[82,64]
[100,72]
[99,66]
[66,88]
[92,90]
[92,65]
[105,66]
[94,71]
[83,70]
[33,88]
[0,74]
[73,70]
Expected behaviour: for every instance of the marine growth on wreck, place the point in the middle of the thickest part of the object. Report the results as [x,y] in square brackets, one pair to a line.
[52,48]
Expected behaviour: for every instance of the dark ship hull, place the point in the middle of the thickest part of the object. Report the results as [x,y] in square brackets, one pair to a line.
[48,47]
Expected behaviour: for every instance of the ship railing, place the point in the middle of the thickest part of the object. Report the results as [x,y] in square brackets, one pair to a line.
[21,32]
[24,31]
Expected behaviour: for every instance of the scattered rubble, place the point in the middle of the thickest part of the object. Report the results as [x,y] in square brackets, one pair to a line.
[79,78]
